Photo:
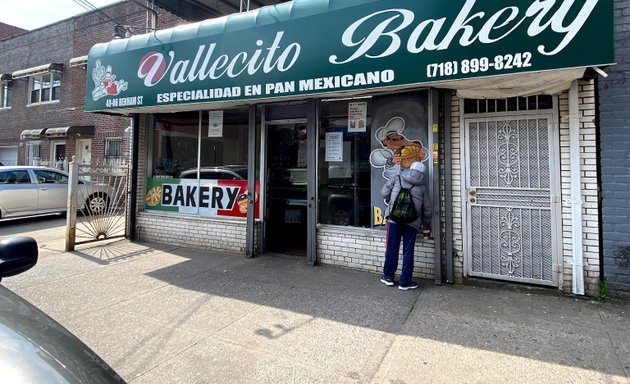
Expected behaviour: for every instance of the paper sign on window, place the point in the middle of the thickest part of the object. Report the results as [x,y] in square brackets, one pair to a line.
[357,116]
[334,146]
[215,126]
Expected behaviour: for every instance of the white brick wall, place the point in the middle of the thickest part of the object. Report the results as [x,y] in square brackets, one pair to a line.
[458,217]
[221,235]
[590,196]
[364,249]
[360,249]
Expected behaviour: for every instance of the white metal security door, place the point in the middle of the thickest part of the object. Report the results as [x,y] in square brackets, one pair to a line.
[511,209]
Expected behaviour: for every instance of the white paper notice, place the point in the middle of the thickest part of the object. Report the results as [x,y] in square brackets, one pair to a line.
[215,126]
[357,116]
[334,146]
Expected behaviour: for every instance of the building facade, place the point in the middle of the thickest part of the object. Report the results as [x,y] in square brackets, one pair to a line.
[9,30]
[42,90]
[253,137]
[614,149]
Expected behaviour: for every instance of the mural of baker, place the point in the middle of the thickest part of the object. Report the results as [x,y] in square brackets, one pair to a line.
[399,141]
[391,138]
[395,145]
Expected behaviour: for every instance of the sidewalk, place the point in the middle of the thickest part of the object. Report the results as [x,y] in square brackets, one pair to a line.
[162,314]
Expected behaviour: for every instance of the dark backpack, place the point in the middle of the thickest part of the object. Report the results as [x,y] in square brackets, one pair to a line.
[403,209]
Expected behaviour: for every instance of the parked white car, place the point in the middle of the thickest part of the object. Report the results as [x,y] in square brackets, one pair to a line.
[28,191]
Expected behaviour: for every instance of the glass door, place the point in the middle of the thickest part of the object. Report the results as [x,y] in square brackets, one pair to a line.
[286,210]
[288,186]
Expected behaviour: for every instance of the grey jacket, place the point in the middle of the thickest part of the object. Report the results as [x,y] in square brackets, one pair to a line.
[409,178]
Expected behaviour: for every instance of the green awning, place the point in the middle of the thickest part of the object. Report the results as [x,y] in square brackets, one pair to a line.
[308,48]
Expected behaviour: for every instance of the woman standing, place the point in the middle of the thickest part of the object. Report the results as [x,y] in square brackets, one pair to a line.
[411,177]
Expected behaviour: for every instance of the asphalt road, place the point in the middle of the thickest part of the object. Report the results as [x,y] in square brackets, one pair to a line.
[47,230]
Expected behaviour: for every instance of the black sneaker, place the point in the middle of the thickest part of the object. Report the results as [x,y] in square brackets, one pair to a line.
[387,281]
[412,285]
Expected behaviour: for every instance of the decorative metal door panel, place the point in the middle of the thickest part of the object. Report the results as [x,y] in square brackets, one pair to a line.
[509,199]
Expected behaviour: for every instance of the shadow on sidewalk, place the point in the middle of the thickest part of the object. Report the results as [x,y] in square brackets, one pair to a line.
[548,328]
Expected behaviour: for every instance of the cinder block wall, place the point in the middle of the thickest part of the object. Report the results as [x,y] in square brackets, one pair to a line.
[614,136]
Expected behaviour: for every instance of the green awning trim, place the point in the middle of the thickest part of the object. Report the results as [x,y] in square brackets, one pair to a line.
[308,48]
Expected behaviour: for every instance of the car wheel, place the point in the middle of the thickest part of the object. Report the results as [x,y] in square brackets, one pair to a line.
[97,203]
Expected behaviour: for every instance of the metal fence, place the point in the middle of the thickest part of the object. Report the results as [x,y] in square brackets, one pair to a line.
[99,193]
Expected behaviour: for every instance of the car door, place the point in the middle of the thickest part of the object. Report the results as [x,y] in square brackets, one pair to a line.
[18,194]
[53,190]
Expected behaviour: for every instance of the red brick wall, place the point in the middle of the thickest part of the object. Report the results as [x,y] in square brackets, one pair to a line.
[58,43]
[7,30]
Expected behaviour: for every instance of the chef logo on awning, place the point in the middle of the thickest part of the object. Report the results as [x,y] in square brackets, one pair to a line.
[105,83]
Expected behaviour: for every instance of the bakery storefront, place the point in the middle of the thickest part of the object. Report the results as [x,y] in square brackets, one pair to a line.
[272,131]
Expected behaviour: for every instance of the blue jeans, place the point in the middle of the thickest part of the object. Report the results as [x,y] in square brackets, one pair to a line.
[394,233]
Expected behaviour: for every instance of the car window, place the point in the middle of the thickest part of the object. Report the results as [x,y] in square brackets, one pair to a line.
[207,175]
[212,175]
[50,177]
[22,176]
[215,174]
[185,175]
[242,172]
[7,177]
[18,176]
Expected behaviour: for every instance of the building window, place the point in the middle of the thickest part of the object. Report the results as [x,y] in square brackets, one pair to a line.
[113,149]
[177,141]
[45,88]
[204,153]
[512,104]
[345,184]
[5,95]
[359,140]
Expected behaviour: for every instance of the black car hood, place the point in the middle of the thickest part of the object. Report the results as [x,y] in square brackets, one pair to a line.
[36,349]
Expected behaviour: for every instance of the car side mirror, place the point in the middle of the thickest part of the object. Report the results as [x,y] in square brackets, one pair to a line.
[17,254]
